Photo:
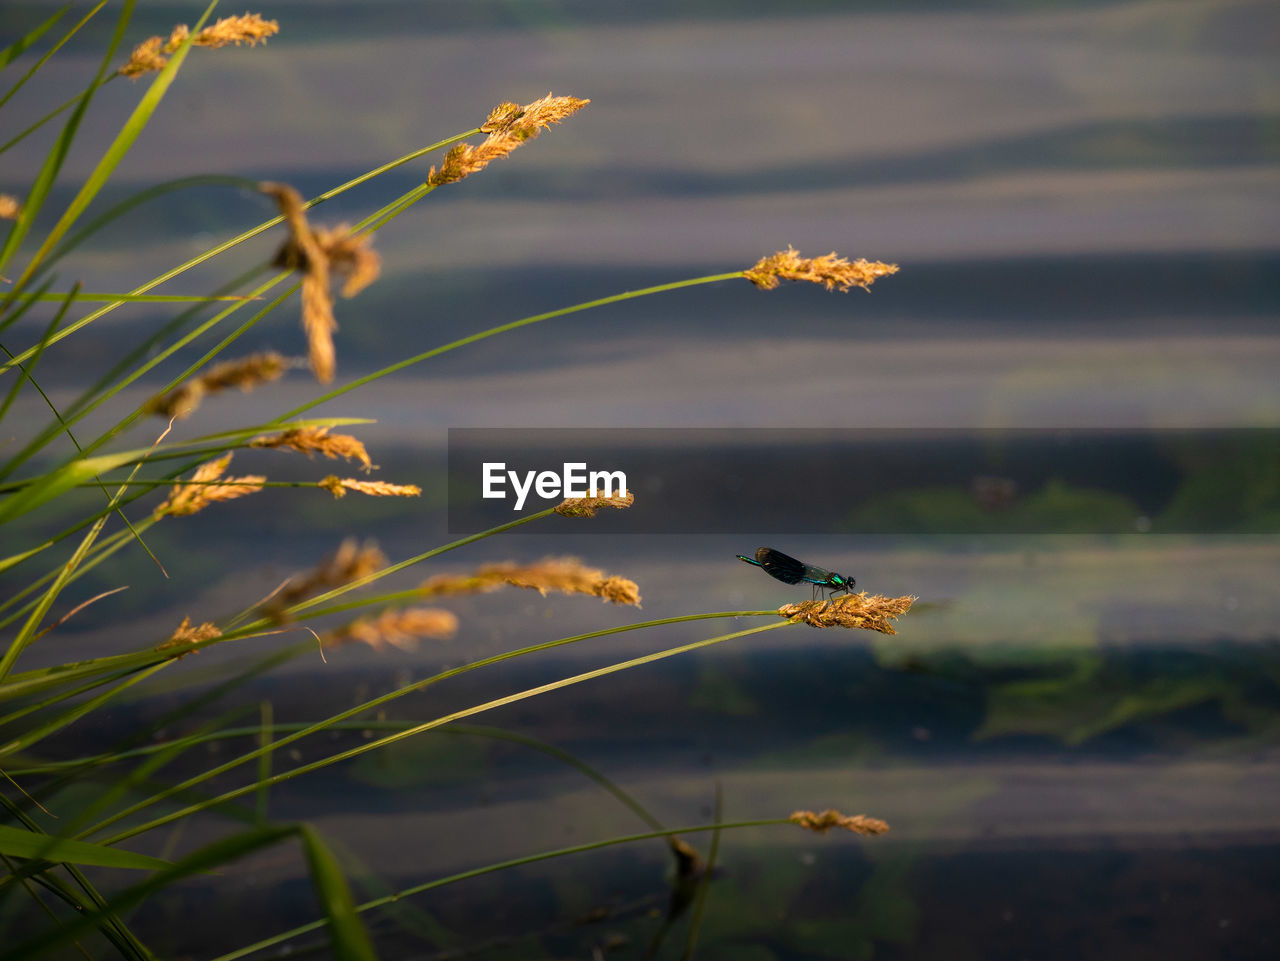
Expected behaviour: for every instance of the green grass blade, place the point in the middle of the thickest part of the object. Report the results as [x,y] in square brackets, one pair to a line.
[499,866]
[79,710]
[200,862]
[502,329]
[20,46]
[416,729]
[253,232]
[115,153]
[50,486]
[5,58]
[91,297]
[24,370]
[141,197]
[26,844]
[350,940]
[39,192]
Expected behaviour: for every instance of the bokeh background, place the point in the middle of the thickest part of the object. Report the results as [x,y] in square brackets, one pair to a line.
[1074,736]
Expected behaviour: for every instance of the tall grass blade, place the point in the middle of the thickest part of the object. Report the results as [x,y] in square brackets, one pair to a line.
[26,844]
[5,58]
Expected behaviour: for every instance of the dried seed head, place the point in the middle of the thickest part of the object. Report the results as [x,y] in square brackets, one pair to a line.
[249,28]
[207,487]
[464,159]
[311,440]
[564,575]
[316,253]
[350,256]
[338,487]
[152,53]
[537,116]
[246,374]
[508,126]
[502,116]
[587,506]
[348,563]
[830,818]
[186,635]
[399,628]
[829,270]
[869,612]
[146,58]
[10,208]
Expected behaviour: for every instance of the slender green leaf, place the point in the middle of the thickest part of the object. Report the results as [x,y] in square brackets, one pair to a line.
[350,940]
[115,153]
[16,49]
[50,486]
[199,862]
[35,67]
[27,844]
[39,192]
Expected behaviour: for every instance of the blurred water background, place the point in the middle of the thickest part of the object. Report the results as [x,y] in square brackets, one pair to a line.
[1074,736]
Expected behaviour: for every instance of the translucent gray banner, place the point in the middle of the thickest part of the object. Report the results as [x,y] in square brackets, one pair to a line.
[875,481]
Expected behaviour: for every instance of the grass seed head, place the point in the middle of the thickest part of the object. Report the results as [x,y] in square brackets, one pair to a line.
[313,440]
[830,818]
[245,373]
[587,506]
[338,487]
[830,270]
[868,612]
[207,487]
[398,628]
[153,53]
[350,562]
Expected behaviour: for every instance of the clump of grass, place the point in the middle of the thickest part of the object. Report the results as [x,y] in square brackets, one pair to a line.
[39,705]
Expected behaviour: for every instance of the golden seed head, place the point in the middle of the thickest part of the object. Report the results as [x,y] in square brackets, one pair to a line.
[464,159]
[207,487]
[338,487]
[502,116]
[350,256]
[248,28]
[246,374]
[508,126]
[869,612]
[317,253]
[587,506]
[399,628]
[186,635]
[311,440]
[829,270]
[152,54]
[537,116]
[348,563]
[10,208]
[830,818]
[564,575]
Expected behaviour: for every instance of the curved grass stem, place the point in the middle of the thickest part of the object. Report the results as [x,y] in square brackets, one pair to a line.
[419,728]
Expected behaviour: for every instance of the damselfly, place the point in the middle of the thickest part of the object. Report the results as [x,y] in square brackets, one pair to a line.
[791,571]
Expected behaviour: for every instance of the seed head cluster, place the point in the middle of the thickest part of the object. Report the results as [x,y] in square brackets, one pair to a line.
[245,374]
[508,126]
[563,575]
[208,486]
[831,818]
[832,271]
[153,53]
[316,254]
[868,612]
